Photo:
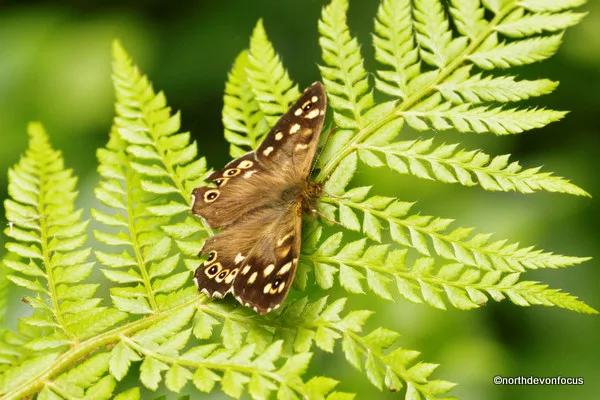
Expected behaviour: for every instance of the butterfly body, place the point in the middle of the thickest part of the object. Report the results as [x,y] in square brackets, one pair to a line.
[258,201]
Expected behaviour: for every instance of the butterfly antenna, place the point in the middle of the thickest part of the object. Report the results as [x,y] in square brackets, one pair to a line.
[326,218]
[331,131]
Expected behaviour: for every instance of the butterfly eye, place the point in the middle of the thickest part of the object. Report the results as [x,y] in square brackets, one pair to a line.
[211,195]
[232,172]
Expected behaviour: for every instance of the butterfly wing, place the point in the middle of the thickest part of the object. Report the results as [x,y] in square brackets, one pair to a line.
[258,178]
[268,271]
[255,258]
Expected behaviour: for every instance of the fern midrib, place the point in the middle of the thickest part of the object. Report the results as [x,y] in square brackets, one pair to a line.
[134,239]
[411,101]
[46,253]
[83,349]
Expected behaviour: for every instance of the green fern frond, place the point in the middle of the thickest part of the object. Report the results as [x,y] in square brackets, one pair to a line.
[519,24]
[395,47]
[49,257]
[140,249]
[424,233]
[421,90]
[463,88]
[272,87]
[430,53]
[465,287]
[303,323]
[167,167]
[445,163]
[550,5]
[439,115]
[164,158]
[245,124]
[437,47]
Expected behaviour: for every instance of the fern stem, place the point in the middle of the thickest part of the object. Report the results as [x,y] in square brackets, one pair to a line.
[410,101]
[83,349]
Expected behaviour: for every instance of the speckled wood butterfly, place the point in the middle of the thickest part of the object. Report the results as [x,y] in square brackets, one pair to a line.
[258,201]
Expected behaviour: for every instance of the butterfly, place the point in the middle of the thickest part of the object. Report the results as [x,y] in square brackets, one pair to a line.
[258,201]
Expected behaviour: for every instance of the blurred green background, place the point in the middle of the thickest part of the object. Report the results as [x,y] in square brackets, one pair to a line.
[55,68]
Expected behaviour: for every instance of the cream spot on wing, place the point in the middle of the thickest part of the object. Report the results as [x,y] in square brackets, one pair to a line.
[269,309]
[284,251]
[267,288]
[295,128]
[283,239]
[301,146]
[248,174]
[193,201]
[312,114]
[307,132]
[268,150]
[285,268]
[197,282]
[205,291]
[280,289]
[252,278]
[231,276]
[246,270]
[217,294]
[278,136]
[239,258]
[314,99]
[322,112]
[295,261]
[245,164]
[268,270]
[298,112]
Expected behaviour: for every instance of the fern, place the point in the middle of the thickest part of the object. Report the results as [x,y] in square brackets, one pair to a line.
[438,69]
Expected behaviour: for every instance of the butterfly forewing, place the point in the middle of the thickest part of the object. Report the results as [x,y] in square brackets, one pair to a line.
[257,199]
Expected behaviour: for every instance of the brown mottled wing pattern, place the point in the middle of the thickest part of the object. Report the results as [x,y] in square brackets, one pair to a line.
[257,201]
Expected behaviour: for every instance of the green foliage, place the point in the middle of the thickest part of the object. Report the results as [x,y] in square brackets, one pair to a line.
[433,72]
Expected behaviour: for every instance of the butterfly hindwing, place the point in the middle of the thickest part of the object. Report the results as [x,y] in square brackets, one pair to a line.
[266,277]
